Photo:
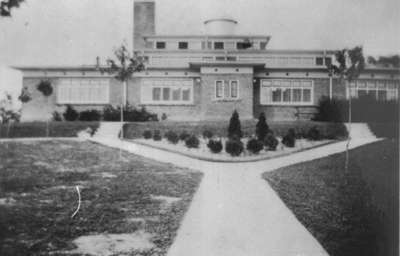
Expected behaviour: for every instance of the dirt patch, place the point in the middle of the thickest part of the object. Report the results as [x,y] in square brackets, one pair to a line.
[8,201]
[113,244]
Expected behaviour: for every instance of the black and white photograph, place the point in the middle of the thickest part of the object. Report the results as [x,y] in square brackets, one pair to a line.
[199,127]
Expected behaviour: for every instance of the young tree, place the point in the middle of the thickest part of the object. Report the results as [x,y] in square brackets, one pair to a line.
[46,89]
[7,5]
[234,128]
[350,63]
[262,128]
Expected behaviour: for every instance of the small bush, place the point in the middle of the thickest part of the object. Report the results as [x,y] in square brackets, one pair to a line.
[207,134]
[57,116]
[184,135]
[147,134]
[172,137]
[111,113]
[289,140]
[130,114]
[45,87]
[157,135]
[164,116]
[234,128]
[234,147]
[89,115]
[314,134]
[215,145]
[270,142]
[192,142]
[70,114]
[254,146]
[262,128]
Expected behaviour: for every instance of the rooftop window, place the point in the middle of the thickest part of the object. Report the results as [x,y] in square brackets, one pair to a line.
[218,45]
[319,61]
[243,45]
[160,45]
[183,45]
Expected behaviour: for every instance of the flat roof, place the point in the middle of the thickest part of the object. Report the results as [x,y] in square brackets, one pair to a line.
[233,36]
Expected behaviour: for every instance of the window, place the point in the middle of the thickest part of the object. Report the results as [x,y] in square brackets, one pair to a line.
[83,91]
[155,91]
[263,45]
[218,45]
[319,61]
[243,45]
[231,58]
[226,89]
[380,90]
[219,58]
[286,92]
[328,61]
[160,45]
[183,45]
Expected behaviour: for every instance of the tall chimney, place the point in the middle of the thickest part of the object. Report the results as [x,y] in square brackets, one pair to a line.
[143,21]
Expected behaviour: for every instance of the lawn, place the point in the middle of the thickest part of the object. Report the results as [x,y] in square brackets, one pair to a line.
[353,214]
[131,195]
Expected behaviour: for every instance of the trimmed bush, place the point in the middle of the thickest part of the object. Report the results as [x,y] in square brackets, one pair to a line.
[57,116]
[234,147]
[254,146]
[45,88]
[314,134]
[157,135]
[262,128]
[192,142]
[215,145]
[270,142]
[164,116]
[184,135]
[207,134]
[89,115]
[289,140]
[172,137]
[147,134]
[111,113]
[70,114]
[130,114]
[234,128]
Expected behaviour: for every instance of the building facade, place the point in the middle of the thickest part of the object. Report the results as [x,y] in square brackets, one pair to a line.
[206,77]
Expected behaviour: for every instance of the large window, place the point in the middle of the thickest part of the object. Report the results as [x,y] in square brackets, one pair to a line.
[183,45]
[157,91]
[218,45]
[160,45]
[83,91]
[286,92]
[379,90]
[226,89]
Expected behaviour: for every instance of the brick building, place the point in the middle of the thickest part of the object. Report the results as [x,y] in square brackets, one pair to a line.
[206,77]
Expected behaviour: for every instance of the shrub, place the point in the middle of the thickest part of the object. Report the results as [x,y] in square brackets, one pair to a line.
[164,116]
[215,145]
[270,142]
[314,134]
[111,113]
[234,147]
[70,114]
[207,134]
[331,110]
[289,140]
[147,134]
[25,95]
[254,146]
[262,128]
[45,87]
[57,116]
[130,114]
[192,142]
[157,135]
[89,115]
[234,128]
[172,137]
[184,135]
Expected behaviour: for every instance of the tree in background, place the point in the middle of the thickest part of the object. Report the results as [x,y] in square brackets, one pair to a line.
[350,63]
[386,61]
[7,5]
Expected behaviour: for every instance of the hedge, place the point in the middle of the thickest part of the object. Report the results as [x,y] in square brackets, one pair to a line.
[38,129]
[219,128]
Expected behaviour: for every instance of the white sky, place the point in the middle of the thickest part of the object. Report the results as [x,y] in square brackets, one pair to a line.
[74,32]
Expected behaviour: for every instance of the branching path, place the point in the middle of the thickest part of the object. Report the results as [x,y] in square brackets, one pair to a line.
[234,211]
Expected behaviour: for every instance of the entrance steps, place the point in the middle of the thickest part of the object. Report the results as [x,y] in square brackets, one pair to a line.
[359,131]
[109,130]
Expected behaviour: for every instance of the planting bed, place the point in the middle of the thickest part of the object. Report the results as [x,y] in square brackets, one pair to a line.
[204,153]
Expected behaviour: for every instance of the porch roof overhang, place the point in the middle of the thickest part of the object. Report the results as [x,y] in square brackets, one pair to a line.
[198,65]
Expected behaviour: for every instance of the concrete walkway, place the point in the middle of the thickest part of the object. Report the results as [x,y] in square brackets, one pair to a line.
[236,212]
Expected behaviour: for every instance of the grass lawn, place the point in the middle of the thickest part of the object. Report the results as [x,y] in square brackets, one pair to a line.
[38,196]
[354,214]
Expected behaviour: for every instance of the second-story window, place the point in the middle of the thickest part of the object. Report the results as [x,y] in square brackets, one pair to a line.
[160,45]
[319,61]
[328,61]
[183,45]
[218,45]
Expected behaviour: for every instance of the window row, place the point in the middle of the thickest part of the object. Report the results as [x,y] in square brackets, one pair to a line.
[226,89]
[83,91]
[167,92]
[211,45]
[286,92]
[379,90]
